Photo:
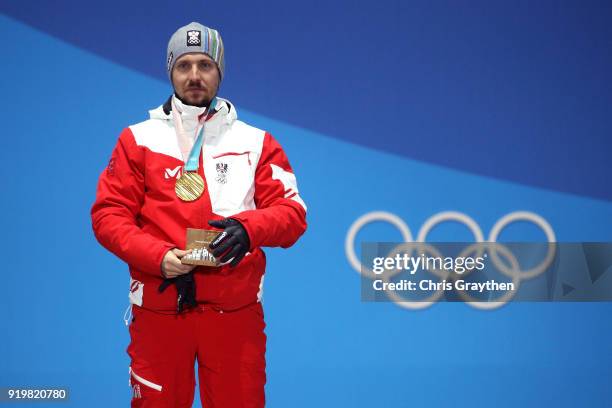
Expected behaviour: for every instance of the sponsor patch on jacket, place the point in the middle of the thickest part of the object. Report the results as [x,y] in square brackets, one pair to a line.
[174,173]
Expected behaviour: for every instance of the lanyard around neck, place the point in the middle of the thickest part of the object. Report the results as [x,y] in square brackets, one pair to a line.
[193,159]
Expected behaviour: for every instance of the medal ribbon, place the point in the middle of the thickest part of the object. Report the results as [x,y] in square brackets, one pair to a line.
[193,160]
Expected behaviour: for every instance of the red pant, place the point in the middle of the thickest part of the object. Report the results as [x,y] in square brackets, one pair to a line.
[229,346]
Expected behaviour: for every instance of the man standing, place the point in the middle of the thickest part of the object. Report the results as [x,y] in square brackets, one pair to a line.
[194,165]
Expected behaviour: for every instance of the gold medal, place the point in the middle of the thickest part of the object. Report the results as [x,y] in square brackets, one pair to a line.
[190,186]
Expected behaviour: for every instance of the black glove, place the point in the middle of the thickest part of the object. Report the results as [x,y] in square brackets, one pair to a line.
[185,288]
[233,241]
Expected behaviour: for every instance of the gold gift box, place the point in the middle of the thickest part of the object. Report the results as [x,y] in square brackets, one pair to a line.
[198,241]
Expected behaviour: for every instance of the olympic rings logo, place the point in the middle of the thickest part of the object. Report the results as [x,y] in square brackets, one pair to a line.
[514,271]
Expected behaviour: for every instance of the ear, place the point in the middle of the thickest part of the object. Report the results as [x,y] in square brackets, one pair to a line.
[172,79]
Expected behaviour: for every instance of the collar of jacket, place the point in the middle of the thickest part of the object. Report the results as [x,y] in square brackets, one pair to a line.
[225,114]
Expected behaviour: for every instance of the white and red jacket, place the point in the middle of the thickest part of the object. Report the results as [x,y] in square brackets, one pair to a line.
[138,217]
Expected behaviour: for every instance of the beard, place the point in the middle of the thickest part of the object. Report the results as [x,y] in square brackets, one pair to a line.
[203,102]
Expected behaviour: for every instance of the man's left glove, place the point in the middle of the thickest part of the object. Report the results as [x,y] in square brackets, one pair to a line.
[234,241]
[185,288]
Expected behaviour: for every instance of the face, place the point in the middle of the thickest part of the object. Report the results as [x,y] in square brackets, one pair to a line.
[195,78]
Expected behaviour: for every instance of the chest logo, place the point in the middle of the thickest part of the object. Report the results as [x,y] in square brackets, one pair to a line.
[221,173]
[172,173]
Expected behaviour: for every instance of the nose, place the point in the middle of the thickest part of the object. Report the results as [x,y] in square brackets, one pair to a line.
[193,73]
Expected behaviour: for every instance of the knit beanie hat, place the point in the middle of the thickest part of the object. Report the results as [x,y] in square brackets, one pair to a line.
[194,37]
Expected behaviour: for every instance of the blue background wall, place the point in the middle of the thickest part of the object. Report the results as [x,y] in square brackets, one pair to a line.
[409,107]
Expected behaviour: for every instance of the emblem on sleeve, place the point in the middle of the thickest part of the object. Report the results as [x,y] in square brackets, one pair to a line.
[110,168]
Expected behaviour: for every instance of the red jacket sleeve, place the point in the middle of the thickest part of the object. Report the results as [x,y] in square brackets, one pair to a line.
[280,217]
[115,213]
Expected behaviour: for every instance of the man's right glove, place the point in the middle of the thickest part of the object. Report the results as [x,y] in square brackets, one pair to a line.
[185,288]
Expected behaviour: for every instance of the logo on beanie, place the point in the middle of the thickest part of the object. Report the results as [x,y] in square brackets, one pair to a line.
[194,38]
[170,60]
